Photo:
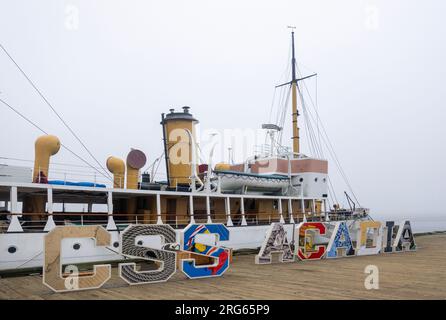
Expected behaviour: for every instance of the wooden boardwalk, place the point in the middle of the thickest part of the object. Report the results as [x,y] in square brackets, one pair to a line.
[414,275]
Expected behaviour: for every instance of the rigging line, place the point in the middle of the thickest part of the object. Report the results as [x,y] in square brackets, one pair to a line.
[284,112]
[309,128]
[329,145]
[284,74]
[153,163]
[53,163]
[317,107]
[317,147]
[287,94]
[307,131]
[313,140]
[318,137]
[157,161]
[312,136]
[40,129]
[334,155]
[280,106]
[155,171]
[52,108]
[331,185]
[330,196]
[272,105]
[336,163]
[284,105]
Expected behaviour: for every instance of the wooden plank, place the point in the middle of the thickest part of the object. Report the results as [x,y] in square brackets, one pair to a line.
[408,275]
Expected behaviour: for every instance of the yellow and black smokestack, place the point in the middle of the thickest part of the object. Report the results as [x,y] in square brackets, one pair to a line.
[177,146]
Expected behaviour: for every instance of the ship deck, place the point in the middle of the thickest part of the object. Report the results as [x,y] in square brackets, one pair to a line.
[409,275]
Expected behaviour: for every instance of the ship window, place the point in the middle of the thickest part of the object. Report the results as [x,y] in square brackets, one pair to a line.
[301,179]
[116,244]
[139,243]
[324,180]
[315,179]
[12,249]
[76,246]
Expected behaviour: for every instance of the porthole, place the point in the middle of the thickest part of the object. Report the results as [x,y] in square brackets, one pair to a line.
[12,249]
[139,243]
[76,246]
[324,180]
[116,244]
[301,179]
[315,179]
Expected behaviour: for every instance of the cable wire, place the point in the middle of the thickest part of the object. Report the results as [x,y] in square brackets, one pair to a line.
[53,109]
[43,131]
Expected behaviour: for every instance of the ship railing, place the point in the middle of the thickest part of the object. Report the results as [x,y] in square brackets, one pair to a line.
[241,217]
[36,222]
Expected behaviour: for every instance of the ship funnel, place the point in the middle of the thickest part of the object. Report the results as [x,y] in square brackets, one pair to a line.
[136,159]
[177,126]
[45,147]
[117,167]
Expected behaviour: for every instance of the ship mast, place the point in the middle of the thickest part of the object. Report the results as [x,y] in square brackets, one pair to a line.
[294,81]
[295,138]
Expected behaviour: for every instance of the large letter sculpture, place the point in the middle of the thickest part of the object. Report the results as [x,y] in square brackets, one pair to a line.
[128,271]
[218,254]
[390,233]
[307,248]
[52,268]
[404,238]
[275,241]
[340,239]
[362,246]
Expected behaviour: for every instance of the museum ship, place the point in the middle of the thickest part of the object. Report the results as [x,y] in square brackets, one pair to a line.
[278,184]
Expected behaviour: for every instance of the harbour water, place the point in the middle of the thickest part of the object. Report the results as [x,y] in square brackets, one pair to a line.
[419,224]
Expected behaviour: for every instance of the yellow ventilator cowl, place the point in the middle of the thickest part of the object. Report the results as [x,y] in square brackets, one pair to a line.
[136,159]
[117,167]
[222,166]
[45,147]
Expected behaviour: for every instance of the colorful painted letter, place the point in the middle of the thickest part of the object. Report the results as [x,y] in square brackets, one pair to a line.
[218,254]
[362,247]
[52,267]
[307,248]
[390,235]
[404,238]
[128,271]
[340,241]
[275,241]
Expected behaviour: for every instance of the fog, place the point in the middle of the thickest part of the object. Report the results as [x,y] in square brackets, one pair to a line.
[110,68]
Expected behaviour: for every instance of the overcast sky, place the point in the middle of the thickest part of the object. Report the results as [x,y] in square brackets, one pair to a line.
[111,68]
